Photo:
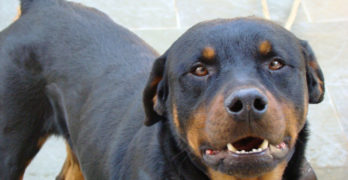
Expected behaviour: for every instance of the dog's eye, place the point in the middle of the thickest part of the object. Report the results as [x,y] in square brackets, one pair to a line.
[200,70]
[276,64]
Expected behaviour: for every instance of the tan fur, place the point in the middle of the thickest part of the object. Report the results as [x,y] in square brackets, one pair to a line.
[41,141]
[208,52]
[276,173]
[195,133]
[315,67]
[156,81]
[154,100]
[175,118]
[71,169]
[265,47]
[293,125]
[216,175]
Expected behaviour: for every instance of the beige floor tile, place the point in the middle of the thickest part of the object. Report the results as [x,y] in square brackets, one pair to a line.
[328,145]
[280,11]
[331,173]
[160,39]
[327,10]
[330,44]
[8,11]
[323,117]
[194,11]
[339,96]
[137,13]
[48,162]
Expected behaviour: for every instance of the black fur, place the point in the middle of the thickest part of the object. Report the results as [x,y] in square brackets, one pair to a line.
[298,158]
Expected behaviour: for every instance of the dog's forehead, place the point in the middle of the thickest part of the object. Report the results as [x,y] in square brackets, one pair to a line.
[242,35]
[242,28]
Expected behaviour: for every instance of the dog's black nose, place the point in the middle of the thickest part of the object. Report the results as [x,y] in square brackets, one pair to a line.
[246,104]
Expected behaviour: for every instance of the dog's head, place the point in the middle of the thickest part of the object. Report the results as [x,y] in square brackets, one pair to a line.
[236,92]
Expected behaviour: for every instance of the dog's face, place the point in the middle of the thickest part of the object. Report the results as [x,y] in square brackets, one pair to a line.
[236,93]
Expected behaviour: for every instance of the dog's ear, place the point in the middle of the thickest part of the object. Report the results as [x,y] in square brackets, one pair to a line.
[315,78]
[155,93]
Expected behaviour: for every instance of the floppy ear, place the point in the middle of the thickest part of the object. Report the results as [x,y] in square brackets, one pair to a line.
[155,93]
[315,78]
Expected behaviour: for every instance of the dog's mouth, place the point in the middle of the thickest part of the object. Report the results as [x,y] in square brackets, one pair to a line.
[246,157]
[250,145]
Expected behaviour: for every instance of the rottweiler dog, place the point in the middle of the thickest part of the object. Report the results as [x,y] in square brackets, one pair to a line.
[228,100]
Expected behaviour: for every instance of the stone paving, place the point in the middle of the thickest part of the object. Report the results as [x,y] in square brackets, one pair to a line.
[159,22]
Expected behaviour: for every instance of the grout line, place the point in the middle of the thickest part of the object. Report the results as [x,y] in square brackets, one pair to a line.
[331,100]
[334,108]
[306,12]
[177,16]
[293,13]
[265,10]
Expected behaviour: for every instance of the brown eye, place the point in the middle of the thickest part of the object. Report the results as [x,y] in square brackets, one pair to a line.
[276,64]
[200,71]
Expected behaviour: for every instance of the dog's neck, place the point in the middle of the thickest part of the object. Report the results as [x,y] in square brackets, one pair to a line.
[179,163]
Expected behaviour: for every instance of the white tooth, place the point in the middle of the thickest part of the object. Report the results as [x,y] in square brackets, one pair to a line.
[259,149]
[264,144]
[243,151]
[238,152]
[254,150]
[231,148]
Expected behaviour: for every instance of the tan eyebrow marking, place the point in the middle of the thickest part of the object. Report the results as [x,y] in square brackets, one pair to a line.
[208,52]
[265,47]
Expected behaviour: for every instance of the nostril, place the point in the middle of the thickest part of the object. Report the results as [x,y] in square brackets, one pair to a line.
[236,106]
[259,104]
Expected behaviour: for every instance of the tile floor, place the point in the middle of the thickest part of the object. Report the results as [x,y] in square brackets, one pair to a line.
[159,22]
